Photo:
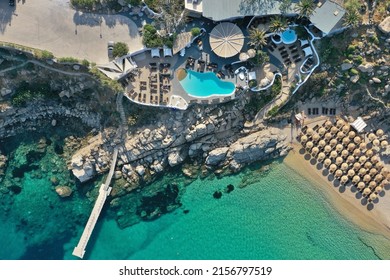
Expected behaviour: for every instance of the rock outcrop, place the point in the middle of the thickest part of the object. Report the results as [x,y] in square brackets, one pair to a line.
[384,26]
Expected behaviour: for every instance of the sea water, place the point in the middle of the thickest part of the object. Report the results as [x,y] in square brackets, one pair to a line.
[272,213]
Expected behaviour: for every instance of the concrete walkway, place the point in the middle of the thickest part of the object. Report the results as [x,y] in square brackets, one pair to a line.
[52,25]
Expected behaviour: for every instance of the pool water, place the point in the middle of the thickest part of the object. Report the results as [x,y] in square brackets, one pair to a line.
[205,85]
[289,36]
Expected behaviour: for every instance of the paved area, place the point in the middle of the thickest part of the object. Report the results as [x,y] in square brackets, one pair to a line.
[52,25]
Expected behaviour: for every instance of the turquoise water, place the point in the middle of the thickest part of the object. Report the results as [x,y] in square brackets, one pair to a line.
[273,214]
[277,216]
[205,84]
[289,36]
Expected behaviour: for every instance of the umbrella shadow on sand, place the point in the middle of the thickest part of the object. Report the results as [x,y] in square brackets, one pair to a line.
[370,206]
[313,161]
[302,151]
[320,165]
[325,172]
[358,195]
[307,157]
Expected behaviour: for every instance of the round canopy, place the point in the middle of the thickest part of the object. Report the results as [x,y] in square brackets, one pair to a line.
[309,131]
[371,136]
[321,144]
[351,134]
[339,147]
[379,165]
[378,189]
[373,171]
[333,142]
[309,145]
[322,131]
[333,167]
[363,146]
[357,140]
[338,173]
[356,152]
[328,124]
[251,53]
[351,146]
[327,162]
[350,159]
[379,133]
[369,153]
[303,139]
[376,142]
[328,136]
[315,150]
[340,135]
[384,144]
[356,166]
[367,178]
[226,39]
[344,179]
[362,171]
[361,185]
[366,191]
[344,153]
[321,156]
[373,196]
[362,159]
[316,137]
[374,159]
[351,173]
[333,154]
[346,128]
[340,123]
[378,178]
[355,179]
[327,149]
[333,130]
[339,160]
[372,185]
[243,56]
[346,141]
[367,165]
[344,166]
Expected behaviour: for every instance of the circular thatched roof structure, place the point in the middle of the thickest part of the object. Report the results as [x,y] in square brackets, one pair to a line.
[362,171]
[328,124]
[303,139]
[361,185]
[362,159]
[334,130]
[226,39]
[322,131]
[367,165]
[340,123]
[366,191]
[351,173]
[356,166]
[327,149]
[344,166]
[384,144]
[346,141]
[362,146]
[344,179]
[333,142]
[376,142]
[374,159]
[350,159]
[327,162]
[373,196]
[309,145]
[378,189]
[332,168]
[379,133]
[340,135]
[351,134]
[321,143]
[356,152]
[371,136]
[357,140]
[351,147]
[339,147]
[355,179]
[366,178]
[338,173]
[378,178]
[346,128]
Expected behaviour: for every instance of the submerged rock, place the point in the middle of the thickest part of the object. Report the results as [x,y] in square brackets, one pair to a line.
[63,191]
[229,188]
[217,194]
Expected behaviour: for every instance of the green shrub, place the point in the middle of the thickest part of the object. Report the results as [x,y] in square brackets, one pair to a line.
[195,31]
[68,60]
[351,49]
[85,63]
[374,39]
[252,83]
[120,49]
[273,111]
[358,59]
[84,4]
[150,37]
[134,2]
[354,71]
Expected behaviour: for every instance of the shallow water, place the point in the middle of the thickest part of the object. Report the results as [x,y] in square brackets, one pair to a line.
[277,215]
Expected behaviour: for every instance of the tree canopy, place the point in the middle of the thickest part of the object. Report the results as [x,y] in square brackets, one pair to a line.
[120,49]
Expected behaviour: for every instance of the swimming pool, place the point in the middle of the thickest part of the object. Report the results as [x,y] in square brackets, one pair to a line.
[204,85]
[289,36]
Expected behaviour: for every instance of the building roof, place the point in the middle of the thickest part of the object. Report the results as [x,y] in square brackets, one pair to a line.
[226,39]
[359,124]
[225,9]
[326,17]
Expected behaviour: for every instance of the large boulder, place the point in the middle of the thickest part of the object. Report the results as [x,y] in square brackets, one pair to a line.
[83,170]
[346,66]
[64,191]
[384,26]
[216,156]
[366,68]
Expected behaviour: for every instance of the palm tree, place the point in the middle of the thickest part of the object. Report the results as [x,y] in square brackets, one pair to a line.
[257,38]
[305,8]
[278,24]
[351,18]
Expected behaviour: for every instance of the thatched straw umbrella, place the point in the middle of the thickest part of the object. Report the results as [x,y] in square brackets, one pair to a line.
[328,124]
[350,159]
[339,160]
[344,179]
[351,134]
[373,172]
[351,147]
[321,143]
[374,159]
[322,131]
[356,152]
[316,137]
[362,159]
[384,144]
[346,128]
[369,153]
[372,185]
[340,123]
[339,148]
[378,189]
[357,140]
[328,136]
[344,153]
[321,156]
[356,166]
[344,166]
[378,178]
[309,145]
[333,154]
[327,149]
[379,133]
[333,130]
[373,196]
[362,171]
[379,165]
[332,168]
[338,173]
[371,136]
[333,142]
[367,165]
[362,146]
[376,142]
[309,131]
[366,178]
[366,191]
[361,186]
[355,179]
[351,173]
[327,162]
[346,141]
[340,135]
[303,139]
[315,151]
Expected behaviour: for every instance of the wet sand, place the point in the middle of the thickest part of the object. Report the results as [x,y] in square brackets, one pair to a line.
[373,219]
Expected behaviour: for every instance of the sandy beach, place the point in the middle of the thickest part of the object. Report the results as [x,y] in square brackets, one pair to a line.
[375,221]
